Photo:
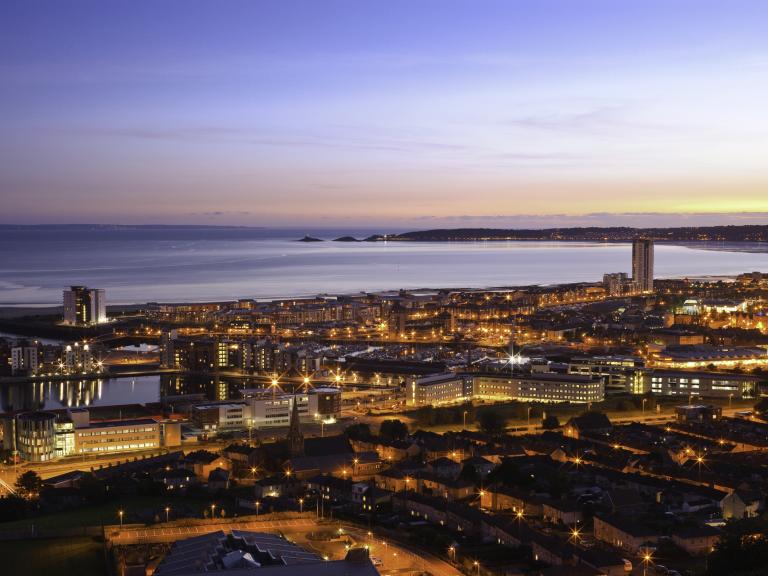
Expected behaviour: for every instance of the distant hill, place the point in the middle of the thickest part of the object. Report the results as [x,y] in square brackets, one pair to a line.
[347,239]
[749,233]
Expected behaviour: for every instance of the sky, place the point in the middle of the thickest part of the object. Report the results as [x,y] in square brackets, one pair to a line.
[413,113]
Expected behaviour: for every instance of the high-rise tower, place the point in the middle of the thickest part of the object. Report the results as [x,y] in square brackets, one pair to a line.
[642,264]
[84,306]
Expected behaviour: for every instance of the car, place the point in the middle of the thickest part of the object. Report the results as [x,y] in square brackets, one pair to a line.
[627,565]
[376,561]
[661,569]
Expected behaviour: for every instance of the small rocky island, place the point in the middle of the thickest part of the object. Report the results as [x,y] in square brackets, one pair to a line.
[346,239]
[310,239]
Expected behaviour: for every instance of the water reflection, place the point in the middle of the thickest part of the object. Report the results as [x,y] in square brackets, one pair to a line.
[58,395]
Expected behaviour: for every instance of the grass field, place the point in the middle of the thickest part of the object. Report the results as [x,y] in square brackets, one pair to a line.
[138,509]
[65,557]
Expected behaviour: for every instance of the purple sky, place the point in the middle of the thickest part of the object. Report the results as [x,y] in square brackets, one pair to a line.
[413,113]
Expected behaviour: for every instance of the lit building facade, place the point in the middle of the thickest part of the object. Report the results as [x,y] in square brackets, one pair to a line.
[439,389]
[84,306]
[25,359]
[700,384]
[642,264]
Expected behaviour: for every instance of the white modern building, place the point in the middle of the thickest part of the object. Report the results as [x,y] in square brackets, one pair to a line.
[267,408]
[437,389]
[84,306]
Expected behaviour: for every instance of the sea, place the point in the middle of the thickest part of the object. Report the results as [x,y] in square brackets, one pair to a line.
[193,264]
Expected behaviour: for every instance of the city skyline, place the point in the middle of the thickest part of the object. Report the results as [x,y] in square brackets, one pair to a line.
[513,114]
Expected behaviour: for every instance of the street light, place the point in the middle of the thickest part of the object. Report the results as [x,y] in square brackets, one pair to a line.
[213,510]
[576,534]
[253,472]
[699,462]
[452,552]
[258,505]
[167,512]
[120,513]
[301,505]
[646,560]
[644,401]
[464,416]
[476,564]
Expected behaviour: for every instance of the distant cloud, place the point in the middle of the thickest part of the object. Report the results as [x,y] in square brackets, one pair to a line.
[221,213]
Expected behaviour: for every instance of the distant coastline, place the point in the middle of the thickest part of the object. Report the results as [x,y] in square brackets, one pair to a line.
[744,233]
[729,233]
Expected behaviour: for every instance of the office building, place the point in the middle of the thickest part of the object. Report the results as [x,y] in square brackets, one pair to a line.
[450,388]
[268,408]
[698,384]
[620,374]
[84,306]
[542,387]
[642,264]
[36,436]
[438,389]
[221,416]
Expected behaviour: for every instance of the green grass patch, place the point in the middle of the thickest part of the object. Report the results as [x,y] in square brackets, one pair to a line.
[65,557]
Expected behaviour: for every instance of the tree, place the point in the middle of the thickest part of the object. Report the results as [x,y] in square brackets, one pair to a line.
[509,474]
[29,484]
[469,472]
[492,422]
[426,415]
[742,549]
[550,422]
[393,430]
[92,489]
[761,406]
[13,508]
[359,431]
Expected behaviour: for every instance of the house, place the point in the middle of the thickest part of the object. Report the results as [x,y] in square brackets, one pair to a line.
[369,498]
[202,462]
[742,503]
[175,478]
[551,550]
[446,488]
[502,498]
[561,512]
[591,423]
[482,466]
[626,533]
[66,480]
[388,450]
[355,466]
[274,487]
[444,468]
[330,488]
[624,501]
[218,479]
[242,455]
[696,540]
[392,479]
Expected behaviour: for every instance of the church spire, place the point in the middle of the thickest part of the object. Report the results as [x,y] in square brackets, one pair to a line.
[295,437]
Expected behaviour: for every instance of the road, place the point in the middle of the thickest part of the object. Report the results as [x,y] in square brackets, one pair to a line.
[170,533]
